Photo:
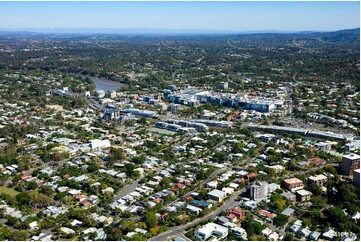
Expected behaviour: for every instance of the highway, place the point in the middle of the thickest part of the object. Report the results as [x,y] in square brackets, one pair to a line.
[173,48]
[235,47]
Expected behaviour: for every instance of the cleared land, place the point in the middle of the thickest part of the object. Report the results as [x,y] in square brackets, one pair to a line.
[162,131]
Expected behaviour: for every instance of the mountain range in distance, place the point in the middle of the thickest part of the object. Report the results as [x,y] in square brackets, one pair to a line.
[159,31]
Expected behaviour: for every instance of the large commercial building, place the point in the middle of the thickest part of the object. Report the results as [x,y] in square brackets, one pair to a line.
[261,105]
[303,195]
[143,113]
[300,131]
[259,190]
[319,180]
[292,184]
[217,195]
[99,144]
[113,114]
[350,163]
[193,97]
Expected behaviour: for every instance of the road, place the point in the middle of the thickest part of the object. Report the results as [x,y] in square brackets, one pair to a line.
[174,231]
[201,185]
[230,203]
[235,47]
[131,187]
[128,188]
[173,48]
[298,45]
[271,226]
[43,48]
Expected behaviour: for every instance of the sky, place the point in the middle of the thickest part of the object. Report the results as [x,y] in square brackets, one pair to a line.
[228,16]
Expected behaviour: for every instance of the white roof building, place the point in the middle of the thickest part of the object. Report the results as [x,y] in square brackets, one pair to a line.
[33,225]
[212,184]
[67,230]
[267,231]
[42,237]
[99,144]
[228,190]
[273,236]
[210,229]
[217,195]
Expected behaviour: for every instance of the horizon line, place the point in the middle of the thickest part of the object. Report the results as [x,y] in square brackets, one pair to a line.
[157,30]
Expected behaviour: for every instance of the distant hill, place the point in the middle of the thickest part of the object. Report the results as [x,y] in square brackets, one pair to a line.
[348,31]
[163,31]
[345,36]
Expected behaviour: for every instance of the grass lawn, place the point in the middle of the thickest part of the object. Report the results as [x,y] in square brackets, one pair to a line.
[8,190]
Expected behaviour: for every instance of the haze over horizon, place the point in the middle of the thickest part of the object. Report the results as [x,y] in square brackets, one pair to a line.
[192,16]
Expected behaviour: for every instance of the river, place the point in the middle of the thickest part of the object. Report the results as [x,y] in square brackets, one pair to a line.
[106,85]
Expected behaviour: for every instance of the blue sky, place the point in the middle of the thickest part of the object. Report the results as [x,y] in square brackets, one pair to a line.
[235,16]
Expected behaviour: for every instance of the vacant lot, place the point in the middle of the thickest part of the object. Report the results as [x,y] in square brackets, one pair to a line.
[162,131]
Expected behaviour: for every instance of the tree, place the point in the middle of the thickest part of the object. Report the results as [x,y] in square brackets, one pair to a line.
[150,219]
[318,202]
[278,202]
[60,195]
[4,232]
[220,157]
[3,178]
[12,221]
[338,219]
[252,227]
[314,188]
[127,226]
[142,121]
[23,198]
[165,182]
[129,170]
[47,223]
[138,159]
[237,147]
[138,237]
[46,190]
[280,220]
[203,194]
[32,185]
[289,236]
[89,221]
[116,234]
[116,154]
[19,235]
[10,200]
[142,225]
[38,200]
[279,205]
[153,231]
[92,167]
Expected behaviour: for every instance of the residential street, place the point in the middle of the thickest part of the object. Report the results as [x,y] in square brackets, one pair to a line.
[230,203]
